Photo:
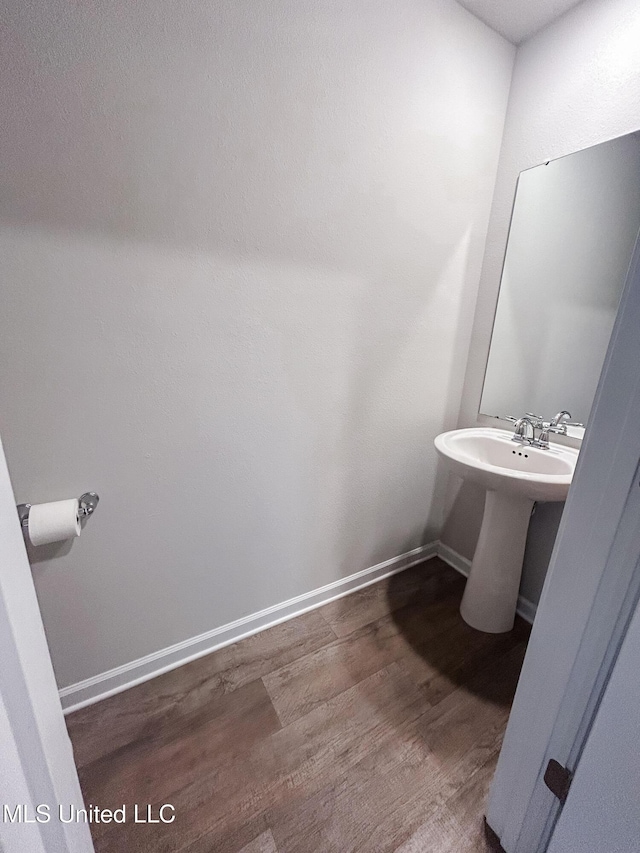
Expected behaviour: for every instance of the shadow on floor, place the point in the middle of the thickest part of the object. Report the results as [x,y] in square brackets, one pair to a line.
[446,653]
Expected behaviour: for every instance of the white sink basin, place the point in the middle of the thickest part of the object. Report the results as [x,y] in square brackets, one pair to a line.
[515,475]
[491,458]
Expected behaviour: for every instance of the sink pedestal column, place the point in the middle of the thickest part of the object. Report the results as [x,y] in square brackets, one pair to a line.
[491,594]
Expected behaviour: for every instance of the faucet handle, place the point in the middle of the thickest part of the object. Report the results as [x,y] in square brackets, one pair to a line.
[515,420]
[561,428]
[538,420]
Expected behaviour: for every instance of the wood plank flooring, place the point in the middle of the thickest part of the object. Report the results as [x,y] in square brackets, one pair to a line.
[371,725]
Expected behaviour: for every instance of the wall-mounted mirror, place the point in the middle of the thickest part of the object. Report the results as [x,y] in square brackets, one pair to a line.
[573,230]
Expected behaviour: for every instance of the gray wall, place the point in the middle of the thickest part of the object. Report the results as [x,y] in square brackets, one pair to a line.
[575,84]
[240,249]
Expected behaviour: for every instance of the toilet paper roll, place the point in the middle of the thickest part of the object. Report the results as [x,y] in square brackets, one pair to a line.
[53,522]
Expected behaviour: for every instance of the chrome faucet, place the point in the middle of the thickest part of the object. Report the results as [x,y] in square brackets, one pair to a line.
[558,425]
[562,419]
[524,431]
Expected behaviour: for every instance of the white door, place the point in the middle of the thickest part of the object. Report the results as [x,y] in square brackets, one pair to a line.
[602,811]
[35,751]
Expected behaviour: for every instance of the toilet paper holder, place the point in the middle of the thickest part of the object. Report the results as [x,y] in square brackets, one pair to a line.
[87,504]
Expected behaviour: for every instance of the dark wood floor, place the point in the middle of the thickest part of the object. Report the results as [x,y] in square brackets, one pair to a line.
[370,725]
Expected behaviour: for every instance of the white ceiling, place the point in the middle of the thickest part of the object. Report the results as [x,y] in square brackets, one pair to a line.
[517,20]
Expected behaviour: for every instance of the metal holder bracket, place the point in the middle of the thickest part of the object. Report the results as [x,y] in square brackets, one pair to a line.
[87,504]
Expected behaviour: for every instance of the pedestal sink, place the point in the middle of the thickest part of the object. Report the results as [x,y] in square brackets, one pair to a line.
[515,475]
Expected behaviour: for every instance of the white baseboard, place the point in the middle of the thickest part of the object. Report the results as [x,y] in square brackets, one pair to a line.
[123,677]
[525,608]
[106,684]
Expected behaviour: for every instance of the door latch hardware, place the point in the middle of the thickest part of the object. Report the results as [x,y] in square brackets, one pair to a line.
[558,779]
